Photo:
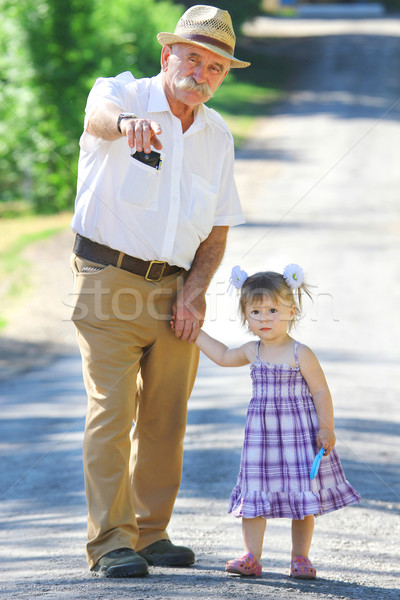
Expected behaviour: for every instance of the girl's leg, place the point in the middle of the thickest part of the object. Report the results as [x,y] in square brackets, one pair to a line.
[253,535]
[302,532]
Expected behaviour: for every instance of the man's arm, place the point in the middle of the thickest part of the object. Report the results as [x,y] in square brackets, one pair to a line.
[103,120]
[189,308]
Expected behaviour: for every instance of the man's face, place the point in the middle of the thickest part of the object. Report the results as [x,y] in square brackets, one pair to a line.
[192,74]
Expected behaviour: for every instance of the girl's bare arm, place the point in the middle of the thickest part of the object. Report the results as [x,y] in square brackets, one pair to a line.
[315,378]
[221,354]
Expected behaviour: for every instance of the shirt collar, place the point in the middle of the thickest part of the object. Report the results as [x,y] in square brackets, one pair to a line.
[200,120]
[157,99]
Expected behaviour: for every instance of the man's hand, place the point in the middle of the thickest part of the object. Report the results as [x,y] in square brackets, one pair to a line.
[143,133]
[189,308]
[188,312]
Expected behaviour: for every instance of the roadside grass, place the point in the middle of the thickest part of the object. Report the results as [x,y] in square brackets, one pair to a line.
[16,235]
[240,103]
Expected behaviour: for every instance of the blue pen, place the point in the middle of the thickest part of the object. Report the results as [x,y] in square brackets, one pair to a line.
[316,463]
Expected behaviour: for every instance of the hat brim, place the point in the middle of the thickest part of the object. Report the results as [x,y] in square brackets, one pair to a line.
[166,39]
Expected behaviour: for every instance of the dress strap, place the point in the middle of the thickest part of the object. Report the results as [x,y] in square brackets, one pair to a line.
[258,351]
[296,345]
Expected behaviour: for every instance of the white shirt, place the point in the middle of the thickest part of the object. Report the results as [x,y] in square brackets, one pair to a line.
[155,214]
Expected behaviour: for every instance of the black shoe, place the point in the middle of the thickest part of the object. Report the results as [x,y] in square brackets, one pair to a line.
[123,562]
[165,553]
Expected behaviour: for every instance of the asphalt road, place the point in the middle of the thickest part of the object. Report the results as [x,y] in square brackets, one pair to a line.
[320,186]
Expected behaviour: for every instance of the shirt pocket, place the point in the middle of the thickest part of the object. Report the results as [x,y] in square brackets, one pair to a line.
[140,186]
[203,202]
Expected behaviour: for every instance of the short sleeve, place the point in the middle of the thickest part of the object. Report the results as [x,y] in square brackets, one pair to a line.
[111,89]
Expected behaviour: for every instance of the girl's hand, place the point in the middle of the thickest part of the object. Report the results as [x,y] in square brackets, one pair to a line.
[326,439]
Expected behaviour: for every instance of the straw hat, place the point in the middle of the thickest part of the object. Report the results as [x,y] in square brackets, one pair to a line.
[208,27]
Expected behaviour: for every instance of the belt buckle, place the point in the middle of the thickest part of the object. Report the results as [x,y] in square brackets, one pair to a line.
[155,262]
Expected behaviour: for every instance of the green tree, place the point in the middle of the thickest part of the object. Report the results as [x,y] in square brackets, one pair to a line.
[62,53]
[53,52]
[16,101]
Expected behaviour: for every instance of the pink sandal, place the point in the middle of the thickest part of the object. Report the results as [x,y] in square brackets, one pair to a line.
[244,565]
[301,568]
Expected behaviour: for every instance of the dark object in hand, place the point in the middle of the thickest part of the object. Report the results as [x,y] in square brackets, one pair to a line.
[152,160]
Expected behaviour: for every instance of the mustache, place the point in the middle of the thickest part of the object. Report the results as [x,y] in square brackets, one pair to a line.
[189,84]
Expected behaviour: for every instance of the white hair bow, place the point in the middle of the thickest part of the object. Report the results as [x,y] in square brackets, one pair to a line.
[293,275]
[237,278]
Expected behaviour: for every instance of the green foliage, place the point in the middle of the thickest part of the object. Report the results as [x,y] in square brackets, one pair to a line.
[392,6]
[51,52]
[129,29]
[16,99]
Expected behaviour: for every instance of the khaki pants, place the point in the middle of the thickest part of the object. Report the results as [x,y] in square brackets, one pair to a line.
[134,369]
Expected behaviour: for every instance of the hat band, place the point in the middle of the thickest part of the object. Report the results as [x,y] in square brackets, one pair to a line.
[205,39]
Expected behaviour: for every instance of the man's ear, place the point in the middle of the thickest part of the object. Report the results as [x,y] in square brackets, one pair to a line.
[165,54]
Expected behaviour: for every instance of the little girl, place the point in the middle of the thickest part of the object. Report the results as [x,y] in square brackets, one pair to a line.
[290,417]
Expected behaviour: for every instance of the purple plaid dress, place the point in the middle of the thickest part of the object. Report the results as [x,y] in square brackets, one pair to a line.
[279,449]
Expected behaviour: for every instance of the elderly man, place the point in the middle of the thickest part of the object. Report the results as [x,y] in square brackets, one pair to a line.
[155,199]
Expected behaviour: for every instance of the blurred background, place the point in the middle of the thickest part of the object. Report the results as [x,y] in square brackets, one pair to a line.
[52,51]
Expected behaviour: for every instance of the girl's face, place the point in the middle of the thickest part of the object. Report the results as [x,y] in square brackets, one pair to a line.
[270,318]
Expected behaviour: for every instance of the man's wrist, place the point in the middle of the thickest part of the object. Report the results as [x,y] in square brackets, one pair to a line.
[124,116]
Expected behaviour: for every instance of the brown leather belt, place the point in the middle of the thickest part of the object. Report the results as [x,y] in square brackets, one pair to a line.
[151,270]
